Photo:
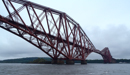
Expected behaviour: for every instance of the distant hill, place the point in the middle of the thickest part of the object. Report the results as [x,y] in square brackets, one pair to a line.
[31,59]
[24,60]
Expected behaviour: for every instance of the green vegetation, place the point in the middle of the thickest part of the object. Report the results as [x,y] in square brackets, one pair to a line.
[20,60]
[92,61]
[95,61]
[41,61]
[47,60]
[122,60]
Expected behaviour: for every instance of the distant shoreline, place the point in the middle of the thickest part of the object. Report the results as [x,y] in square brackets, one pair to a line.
[48,60]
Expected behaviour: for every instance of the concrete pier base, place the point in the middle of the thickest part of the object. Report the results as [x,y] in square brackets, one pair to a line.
[69,62]
[57,61]
[83,62]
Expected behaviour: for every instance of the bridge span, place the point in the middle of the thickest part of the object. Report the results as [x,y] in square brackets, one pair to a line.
[50,30]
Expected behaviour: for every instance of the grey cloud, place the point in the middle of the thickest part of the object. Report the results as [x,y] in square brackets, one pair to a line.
[12,46]
[114,37]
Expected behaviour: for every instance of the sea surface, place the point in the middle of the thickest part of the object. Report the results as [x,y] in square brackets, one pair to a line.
[77,69]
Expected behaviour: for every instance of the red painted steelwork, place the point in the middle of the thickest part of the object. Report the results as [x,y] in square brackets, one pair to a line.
[52,31]
[105,53]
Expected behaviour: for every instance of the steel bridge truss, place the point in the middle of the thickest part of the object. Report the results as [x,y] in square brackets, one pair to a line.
[50,30]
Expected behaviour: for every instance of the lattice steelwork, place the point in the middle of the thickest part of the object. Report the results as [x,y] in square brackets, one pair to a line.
[52,31]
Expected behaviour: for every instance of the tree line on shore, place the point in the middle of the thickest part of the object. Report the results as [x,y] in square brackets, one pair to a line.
[48,60]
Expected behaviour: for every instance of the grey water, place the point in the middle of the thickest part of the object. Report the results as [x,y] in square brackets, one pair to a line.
[77,69]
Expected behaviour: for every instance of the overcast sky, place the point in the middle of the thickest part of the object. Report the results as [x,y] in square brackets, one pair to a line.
[106,22]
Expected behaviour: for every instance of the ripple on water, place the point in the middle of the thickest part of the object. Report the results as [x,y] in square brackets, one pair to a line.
[77,69]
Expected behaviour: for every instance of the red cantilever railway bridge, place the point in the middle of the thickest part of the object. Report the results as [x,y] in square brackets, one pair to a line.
[52,31]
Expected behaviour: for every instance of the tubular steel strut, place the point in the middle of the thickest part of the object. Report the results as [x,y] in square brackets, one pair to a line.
[52,31]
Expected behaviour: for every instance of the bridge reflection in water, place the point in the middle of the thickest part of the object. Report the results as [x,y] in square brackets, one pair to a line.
[52,31]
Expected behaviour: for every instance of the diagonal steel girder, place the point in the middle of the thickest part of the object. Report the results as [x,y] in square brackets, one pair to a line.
[69,40]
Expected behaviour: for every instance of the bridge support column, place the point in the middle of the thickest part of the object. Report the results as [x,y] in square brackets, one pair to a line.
[57,61]
[69,62]
[83,62]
